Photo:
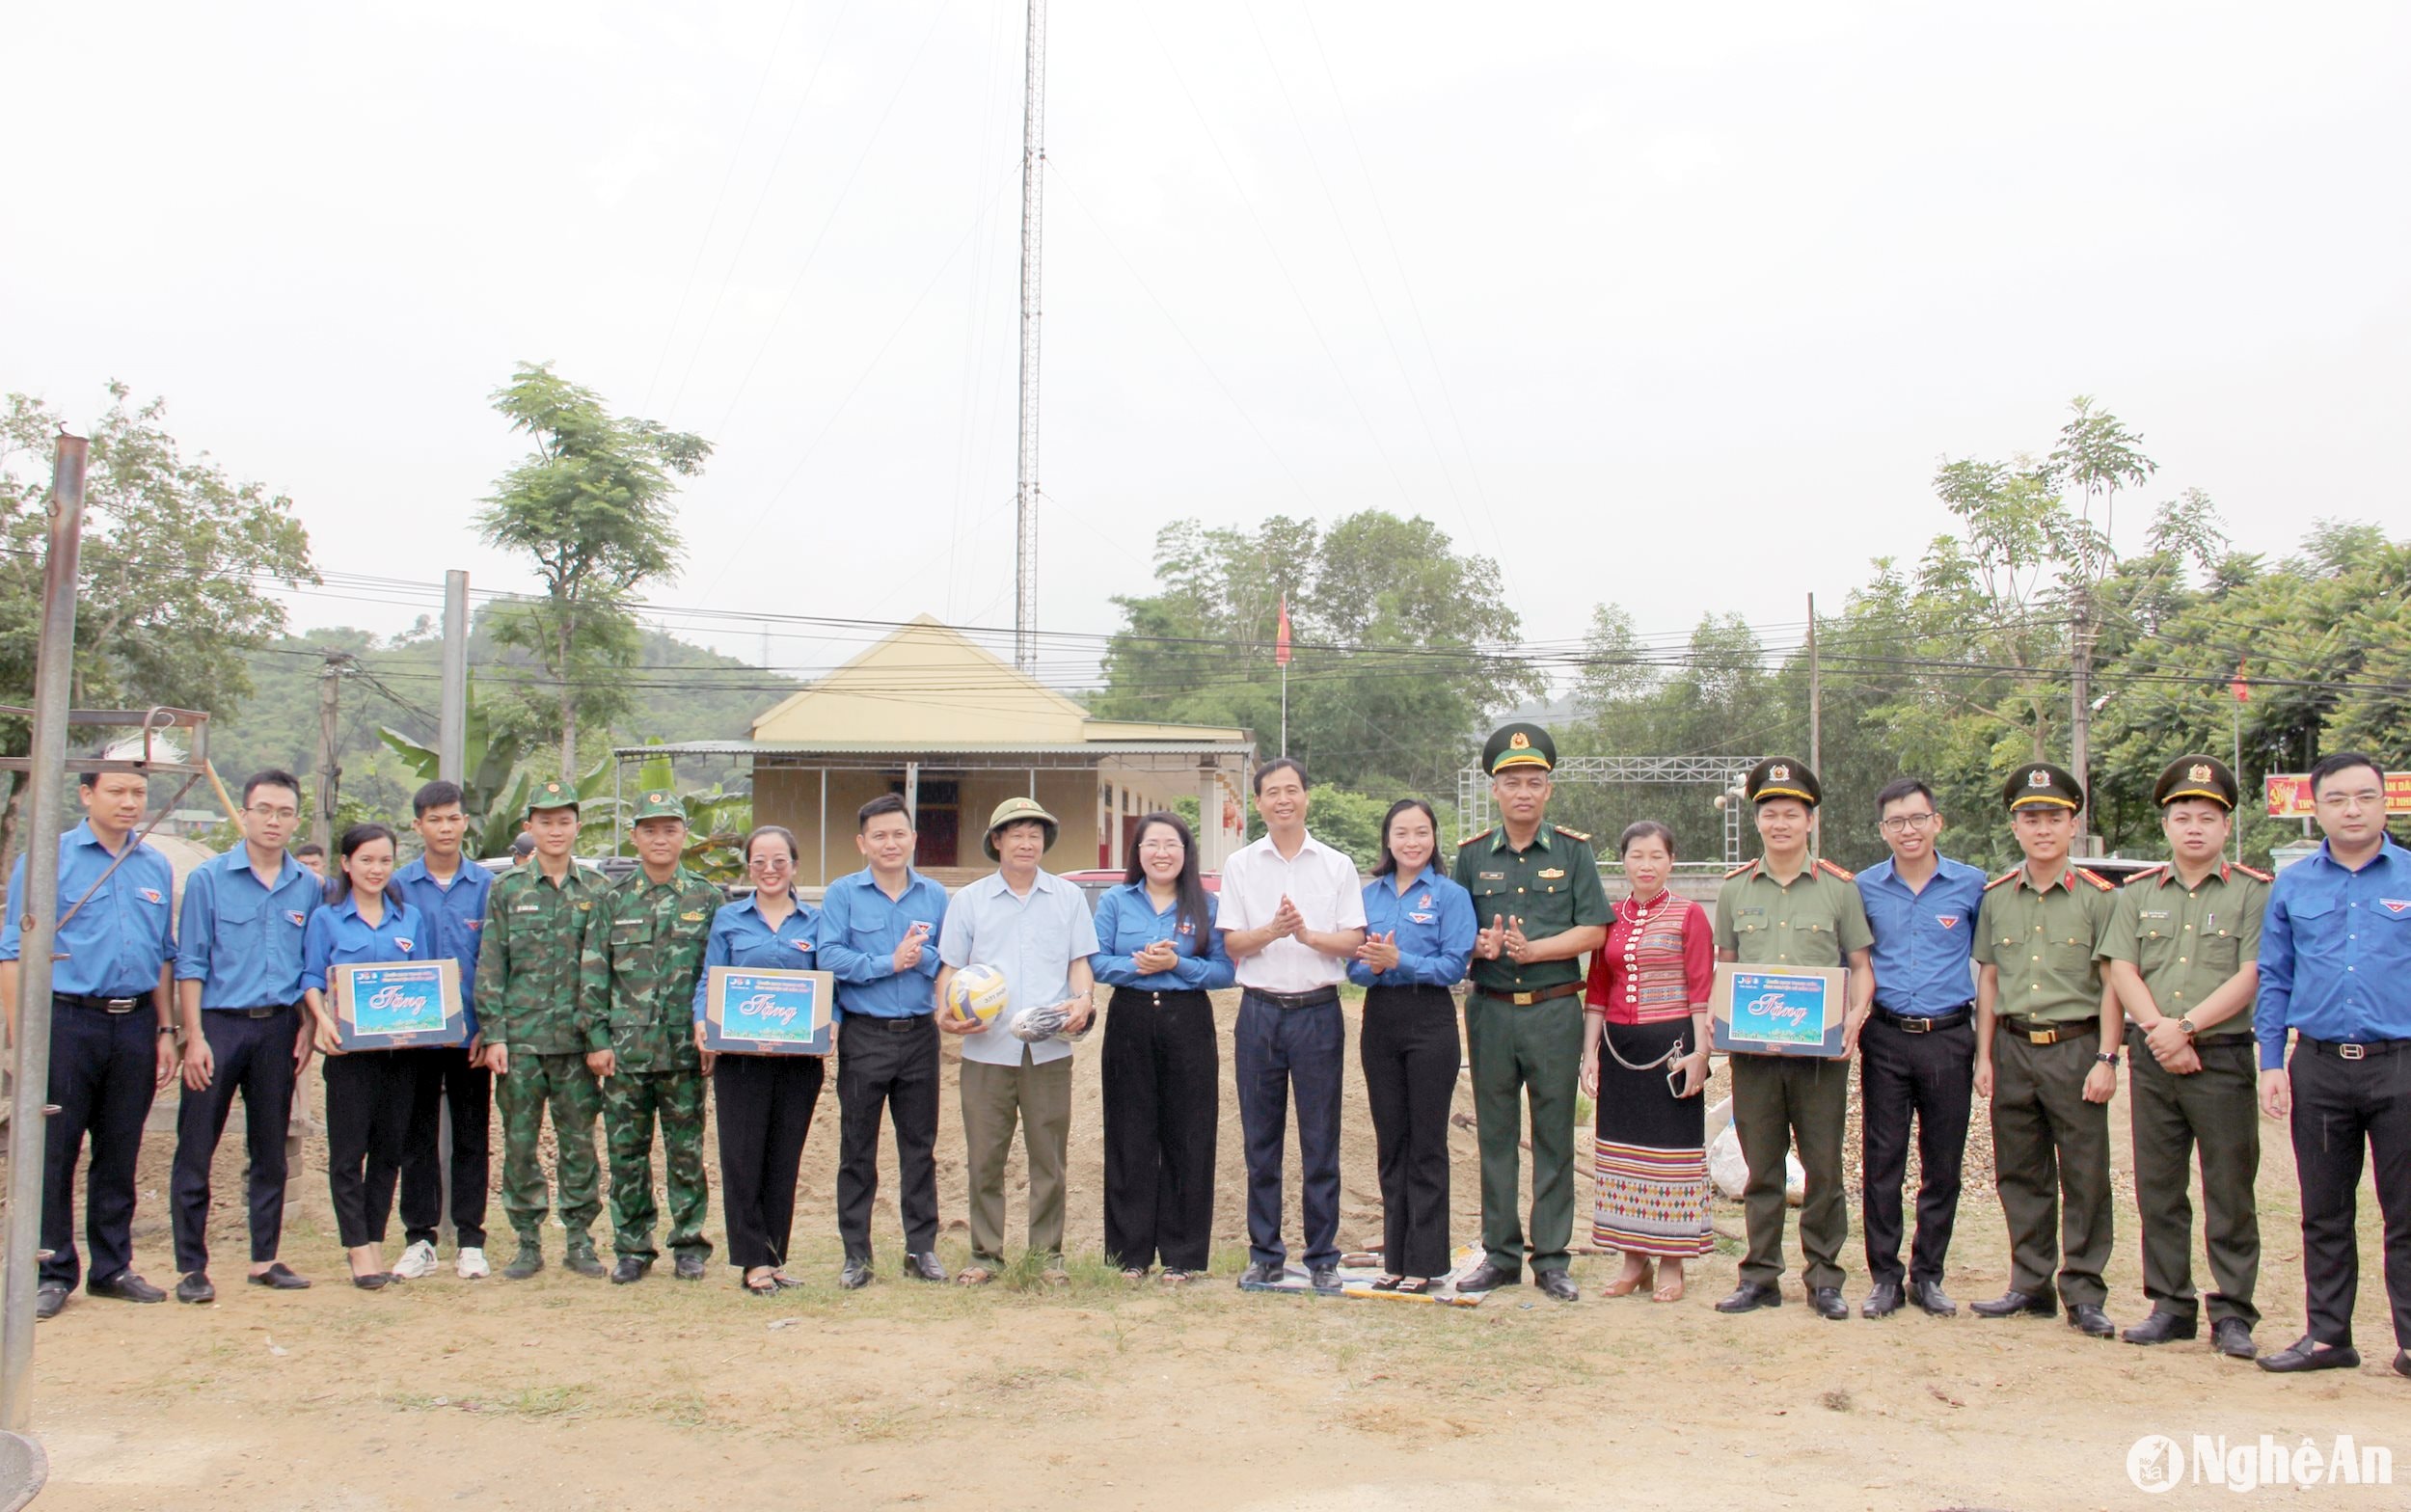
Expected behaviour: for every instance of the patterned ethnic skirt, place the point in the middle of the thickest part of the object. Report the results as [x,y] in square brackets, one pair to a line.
[1649,1156]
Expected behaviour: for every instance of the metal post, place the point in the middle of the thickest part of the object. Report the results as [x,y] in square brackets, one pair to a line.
[823,827]
[322,822]
[1025,487]
[912,793]
[1816,719]
[453,735]
[38,918]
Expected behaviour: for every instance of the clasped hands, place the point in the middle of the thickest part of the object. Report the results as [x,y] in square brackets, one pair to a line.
[1504,936]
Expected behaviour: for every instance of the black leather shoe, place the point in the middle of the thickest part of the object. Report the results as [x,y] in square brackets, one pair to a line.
[1884,1299]
[2403,1361]
[630,1270]
[1485,1277]
[527,1262]
[196,1288]
[2090,1320]
[1826,1302]
[1323,1278]
[1261,1273]
[2307,1354]
[2233,1338]
[1751,1295]
[279,1277]
[1930,1295]
[856,1274]
[2016,1304]
[1557,1284]
[924,1266]
[583,1261]
[2163,1328]
[686,1266]
[125,1286]
[48,1302]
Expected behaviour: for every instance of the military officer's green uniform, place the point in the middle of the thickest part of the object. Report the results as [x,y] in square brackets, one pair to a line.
[2050,1148]
[2187,942]
[1780,1102]
[644,950]
[528,966]
[1524,1022]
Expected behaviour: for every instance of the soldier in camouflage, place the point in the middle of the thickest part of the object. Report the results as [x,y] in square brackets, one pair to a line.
[535,1040]
[643,952]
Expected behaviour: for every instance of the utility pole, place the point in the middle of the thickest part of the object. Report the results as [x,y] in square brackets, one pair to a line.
[451,737]
[1025,492]
[322,822]
[2080,710]
[1816,717]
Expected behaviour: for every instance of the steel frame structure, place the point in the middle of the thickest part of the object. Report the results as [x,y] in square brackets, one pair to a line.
[1472,789]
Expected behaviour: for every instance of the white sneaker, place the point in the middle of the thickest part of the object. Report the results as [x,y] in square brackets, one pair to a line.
[471,1264]
[417,1260]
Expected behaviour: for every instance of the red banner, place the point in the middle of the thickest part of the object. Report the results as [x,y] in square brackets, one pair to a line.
[2289,795]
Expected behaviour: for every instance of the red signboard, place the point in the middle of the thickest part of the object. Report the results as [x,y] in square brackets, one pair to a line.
[2289,796]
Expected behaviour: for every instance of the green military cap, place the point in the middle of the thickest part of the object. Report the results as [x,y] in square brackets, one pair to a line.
[2197,777]
[2038,784]
[1013,811]
[659,803]
[1783,777]
[1519,744]
[551,795]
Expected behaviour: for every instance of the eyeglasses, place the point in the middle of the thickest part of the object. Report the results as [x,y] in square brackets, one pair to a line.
[1901,824]
[770,863]
[263,811]
[2366,797]
[1160,848]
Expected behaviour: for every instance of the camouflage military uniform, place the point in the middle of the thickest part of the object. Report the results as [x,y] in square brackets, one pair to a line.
[637,994]
[527,970]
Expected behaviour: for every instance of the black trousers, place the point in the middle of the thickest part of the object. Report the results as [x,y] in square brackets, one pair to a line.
[890,1066]
[763,1105]
[2339,1108]
[103,1071]
[1410,1057]
[1163,1072]
[254,1056]
[1931,1077]
[1275,1049]
[442,1076]
[369,1094]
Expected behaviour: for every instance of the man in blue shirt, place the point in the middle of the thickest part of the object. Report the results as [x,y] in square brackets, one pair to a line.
[879,937]
[239,980]
[449,892]
[112,1032]
[2336,970]
[1918,1055]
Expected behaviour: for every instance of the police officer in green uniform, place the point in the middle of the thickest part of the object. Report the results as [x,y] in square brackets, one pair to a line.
[535,1043]
[2181,950]
[1785,910]
[1539,905]
[644,950]
[2047,1054]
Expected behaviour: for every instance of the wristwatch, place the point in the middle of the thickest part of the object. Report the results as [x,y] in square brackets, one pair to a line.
[2184,1026]
[2108,1058]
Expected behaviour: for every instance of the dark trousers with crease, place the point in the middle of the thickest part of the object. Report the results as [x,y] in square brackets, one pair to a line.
[1781,1102]
[369,1094]
[253,1057]
[1410,1057]
[443,1078]
[103,1073]
[1274,1050]
[764,1106]
[2052,1166]
[1932,1077]
[2216,1111]
[890,1066]
[2341,1110]
[1162,1110]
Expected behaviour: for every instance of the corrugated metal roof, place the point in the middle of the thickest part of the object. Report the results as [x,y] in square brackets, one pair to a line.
[952,748]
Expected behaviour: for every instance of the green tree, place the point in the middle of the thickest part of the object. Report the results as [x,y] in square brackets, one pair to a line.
[593,508]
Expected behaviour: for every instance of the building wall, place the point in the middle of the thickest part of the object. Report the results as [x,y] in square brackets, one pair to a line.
[790,795]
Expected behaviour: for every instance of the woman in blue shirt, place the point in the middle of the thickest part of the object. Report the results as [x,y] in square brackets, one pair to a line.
[762,1103]
[1161,954]
[368,1091]
[1419,937]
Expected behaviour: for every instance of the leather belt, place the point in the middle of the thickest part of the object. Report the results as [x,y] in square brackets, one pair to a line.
[904,1024]
[2033,1031]
[1537,995]
[2350,1049]
[98,1005]
[264,1010]
[1912,1024]
[1314,999]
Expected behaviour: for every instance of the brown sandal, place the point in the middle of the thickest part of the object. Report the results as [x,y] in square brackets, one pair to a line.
[1623,1286]
[974,1275]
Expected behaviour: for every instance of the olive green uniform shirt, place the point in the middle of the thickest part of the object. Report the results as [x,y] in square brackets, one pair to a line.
[1816,919]
[2044,944]
[529,960]
[2187,942]
[644,950]
[1552,884]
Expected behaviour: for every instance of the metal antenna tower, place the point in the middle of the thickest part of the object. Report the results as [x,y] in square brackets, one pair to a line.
[1025,492]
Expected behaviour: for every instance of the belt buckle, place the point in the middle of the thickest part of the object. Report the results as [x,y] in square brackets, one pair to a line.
[1913,1026]
[2042,1037]
[1523,999]
[116,1005]
[2350,1051]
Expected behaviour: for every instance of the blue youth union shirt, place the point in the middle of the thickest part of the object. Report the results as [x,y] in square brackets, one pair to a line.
[337,936]
[240,938]
[1127,923]
[2336,952]
[860,928]
[121,935]
[1435,925]
[1924,940]
[741,938]
[454,914]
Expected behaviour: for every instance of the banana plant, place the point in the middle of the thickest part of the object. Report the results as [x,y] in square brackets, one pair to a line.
[494,791]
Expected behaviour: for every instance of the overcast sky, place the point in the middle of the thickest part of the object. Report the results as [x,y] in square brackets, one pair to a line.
[1675,306]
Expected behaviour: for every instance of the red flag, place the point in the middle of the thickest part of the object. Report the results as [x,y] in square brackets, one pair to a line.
[1280,640]
[2241,688]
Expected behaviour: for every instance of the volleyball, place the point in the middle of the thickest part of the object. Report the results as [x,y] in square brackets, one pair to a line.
[977,993]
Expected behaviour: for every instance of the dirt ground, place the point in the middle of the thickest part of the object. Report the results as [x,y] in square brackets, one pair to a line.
[562,1393]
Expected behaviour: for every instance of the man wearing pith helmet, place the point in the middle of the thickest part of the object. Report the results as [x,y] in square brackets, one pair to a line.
[1787,910]
[2047,1054]
[2183,952]
[1540,905]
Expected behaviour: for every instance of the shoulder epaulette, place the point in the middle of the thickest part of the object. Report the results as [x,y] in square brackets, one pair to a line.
[1571,834]
[2152,871]
[2255,873]
[1739,870]
[1470,839]
[2095,878]
[1832,869]
[2009,876]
